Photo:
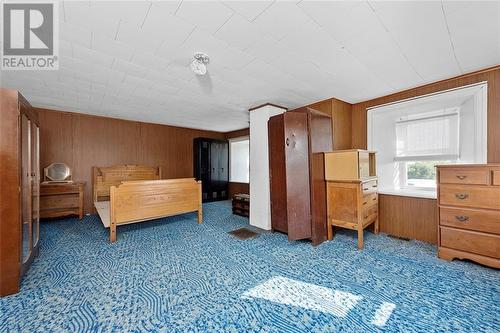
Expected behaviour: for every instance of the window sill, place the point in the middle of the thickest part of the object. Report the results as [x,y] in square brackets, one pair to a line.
[410,193]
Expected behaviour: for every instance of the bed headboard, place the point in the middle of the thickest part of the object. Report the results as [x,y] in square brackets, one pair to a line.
[105,177]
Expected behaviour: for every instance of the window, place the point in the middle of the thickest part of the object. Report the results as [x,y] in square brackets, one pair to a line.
[424,141]
[421,174]
[239,157]
[413,136]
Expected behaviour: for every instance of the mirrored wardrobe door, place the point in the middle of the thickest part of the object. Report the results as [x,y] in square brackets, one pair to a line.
[26,189]
[35,184]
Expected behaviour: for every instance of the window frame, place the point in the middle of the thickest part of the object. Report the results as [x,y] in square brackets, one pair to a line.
[393,174]
[233,140]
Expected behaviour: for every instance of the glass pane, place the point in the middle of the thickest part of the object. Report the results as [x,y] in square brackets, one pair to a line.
[35,165]
[25,189]
[422,173]
[240,161]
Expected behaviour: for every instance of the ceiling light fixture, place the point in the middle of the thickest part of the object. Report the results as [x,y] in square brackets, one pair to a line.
[198,65]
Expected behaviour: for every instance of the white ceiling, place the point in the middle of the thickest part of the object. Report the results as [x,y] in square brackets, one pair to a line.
[130,59]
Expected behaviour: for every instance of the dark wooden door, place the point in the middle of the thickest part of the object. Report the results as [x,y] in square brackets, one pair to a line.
[224,169]
[214,170]
[297,175]
[202,165]
[320,136]
[277,173]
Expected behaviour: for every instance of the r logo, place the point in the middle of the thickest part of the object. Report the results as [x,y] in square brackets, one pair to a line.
[28,29]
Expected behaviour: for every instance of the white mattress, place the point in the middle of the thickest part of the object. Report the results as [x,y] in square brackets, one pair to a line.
[102,208]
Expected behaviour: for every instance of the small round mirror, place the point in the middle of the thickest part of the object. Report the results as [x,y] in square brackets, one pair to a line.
[58,172]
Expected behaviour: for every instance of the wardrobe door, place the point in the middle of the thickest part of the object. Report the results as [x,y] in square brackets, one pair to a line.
[202,165]
[297,175]
[26,217]
[277,173]
[35,184]
[214,170]
[223,169]
[321,140]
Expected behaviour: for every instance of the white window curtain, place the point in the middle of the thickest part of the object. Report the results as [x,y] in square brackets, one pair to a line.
[431,137]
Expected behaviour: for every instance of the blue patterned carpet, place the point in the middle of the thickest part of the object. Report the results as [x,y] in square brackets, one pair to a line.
[173,275]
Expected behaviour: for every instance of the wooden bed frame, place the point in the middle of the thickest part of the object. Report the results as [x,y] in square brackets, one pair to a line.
[136,194]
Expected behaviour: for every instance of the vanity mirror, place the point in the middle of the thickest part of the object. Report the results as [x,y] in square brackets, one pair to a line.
[57,173]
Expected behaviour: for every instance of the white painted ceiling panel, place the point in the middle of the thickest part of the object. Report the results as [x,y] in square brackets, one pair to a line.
[238,32]
[248,9]
[130,59]
[279,19]
[206,15]
[112,47]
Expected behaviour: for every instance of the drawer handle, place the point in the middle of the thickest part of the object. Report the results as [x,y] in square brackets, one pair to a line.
[461,177]
[374,199]
[461,196]
[365,189]
[364,203]
[374,185]
[462,218]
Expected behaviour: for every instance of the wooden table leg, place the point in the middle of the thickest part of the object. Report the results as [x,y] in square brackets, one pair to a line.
[360,237]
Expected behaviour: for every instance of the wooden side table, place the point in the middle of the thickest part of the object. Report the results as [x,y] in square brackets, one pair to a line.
[61,199]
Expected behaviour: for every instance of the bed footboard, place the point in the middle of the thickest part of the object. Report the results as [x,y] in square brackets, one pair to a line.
[135,201]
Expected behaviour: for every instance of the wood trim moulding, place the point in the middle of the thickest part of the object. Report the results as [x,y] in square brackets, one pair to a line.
[490,75]
[412,91]
[268,104]
[237,133]
[72,113]
[328,100]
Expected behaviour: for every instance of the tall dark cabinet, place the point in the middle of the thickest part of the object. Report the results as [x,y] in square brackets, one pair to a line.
[297,140]
[19,189]
[211,166]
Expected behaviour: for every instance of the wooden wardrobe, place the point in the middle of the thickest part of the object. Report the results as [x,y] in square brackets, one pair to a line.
[211,166]
[19,189]
[297,140]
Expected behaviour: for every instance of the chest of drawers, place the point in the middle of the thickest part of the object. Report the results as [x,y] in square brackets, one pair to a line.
[61,199]
[469,213]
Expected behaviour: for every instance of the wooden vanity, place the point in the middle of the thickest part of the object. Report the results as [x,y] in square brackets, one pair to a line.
[352,191]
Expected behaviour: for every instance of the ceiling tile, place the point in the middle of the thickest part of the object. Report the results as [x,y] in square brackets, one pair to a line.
[81,14]
[129,68]
[111,47]
[160,24]
[238,32]
[280,19]
[149,61]
[248,9]
[94,57]
[341,19]
[209,16]
[138,38]
[75,34]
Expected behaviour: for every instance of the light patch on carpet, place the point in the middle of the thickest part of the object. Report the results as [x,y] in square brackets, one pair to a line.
[383,314]
[309,296]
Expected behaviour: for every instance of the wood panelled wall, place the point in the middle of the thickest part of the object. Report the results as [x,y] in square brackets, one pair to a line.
[238,187]
[406,217]
[416,218]
[341,113]
[84,141]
